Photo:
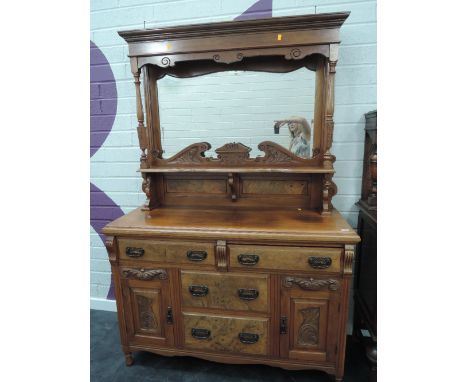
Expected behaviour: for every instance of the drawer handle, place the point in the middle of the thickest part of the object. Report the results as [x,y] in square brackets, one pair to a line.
[134,252]
[198,290]
[248,259]
[247,294]
[319,262]
[248,338]
[197,255]
[200,334]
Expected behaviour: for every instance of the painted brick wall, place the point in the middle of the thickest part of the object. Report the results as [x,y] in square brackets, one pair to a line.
[116,187]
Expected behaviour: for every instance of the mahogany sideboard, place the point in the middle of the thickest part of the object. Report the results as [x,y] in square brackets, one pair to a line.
[235,259]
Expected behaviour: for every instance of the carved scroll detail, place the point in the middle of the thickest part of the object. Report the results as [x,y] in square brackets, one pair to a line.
[166,61]
[145,275]
[111,250]
[194,153]
[145,312]
[228,57]
[310,283]
[348,259]
[221,255]
[308,334]
[273,153]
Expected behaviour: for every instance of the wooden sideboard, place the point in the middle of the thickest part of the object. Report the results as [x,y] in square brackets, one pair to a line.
[235,259]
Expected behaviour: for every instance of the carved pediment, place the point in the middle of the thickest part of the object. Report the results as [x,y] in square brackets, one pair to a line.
[233,153]
[236,154]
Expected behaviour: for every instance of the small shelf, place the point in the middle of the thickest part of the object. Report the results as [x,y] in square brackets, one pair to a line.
[284,170]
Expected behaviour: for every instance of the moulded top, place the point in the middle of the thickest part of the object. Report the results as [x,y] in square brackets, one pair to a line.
[286,23]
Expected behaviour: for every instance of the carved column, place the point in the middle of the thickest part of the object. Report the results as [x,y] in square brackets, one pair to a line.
[141,129]
[328,158]
[329,187]
[329,190]
[146,188]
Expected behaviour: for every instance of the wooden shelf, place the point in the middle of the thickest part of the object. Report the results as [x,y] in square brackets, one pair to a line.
[290,170]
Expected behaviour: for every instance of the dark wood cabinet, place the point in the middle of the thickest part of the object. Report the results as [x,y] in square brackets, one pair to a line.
[365,279]
[234,258]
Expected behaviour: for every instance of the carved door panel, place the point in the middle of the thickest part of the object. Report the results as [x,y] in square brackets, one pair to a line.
[148,311]
[309,319]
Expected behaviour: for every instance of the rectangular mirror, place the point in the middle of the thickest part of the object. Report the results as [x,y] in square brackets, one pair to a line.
[238,106]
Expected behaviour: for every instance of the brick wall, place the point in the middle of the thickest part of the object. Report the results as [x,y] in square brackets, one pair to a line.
[114,164]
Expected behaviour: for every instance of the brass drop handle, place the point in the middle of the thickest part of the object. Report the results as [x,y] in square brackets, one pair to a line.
[283,325]
[248,338]
[248,259]
[247,294]
[134,252]
[198,290]
[320,262]
[169,316]
[196,255]
[201,334]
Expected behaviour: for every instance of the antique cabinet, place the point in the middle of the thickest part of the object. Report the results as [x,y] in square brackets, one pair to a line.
[365,278]
[236,258]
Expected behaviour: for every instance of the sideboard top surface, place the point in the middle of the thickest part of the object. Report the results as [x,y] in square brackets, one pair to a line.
[292,224]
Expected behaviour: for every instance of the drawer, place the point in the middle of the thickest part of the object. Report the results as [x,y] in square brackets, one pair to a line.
[226,334]
[167,252]
[319,260]
[225,291]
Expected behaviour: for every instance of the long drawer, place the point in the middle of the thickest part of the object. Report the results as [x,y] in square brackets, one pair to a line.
[225,291]
[315,259]
[167,252]
[226,333]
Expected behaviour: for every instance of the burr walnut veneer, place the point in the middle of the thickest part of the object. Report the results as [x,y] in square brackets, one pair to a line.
[235,259]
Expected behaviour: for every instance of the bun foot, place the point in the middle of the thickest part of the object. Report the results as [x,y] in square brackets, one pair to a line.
[128,359]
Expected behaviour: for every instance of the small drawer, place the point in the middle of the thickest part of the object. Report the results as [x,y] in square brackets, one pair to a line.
[285,258]
[225,291]
[167,252]
[226,334]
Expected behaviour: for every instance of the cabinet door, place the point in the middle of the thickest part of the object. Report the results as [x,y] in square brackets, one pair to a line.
[309,318]
[147,308]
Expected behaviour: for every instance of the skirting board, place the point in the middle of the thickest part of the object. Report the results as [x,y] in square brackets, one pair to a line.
[103,304]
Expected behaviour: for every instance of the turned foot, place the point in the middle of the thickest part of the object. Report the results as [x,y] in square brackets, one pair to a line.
[128,359]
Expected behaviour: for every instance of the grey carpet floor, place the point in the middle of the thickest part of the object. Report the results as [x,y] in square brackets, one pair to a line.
[108,363]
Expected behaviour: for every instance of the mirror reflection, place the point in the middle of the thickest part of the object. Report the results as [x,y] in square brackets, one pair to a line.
[238,106]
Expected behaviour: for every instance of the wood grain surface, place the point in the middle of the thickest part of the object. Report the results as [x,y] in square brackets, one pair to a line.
[224,333]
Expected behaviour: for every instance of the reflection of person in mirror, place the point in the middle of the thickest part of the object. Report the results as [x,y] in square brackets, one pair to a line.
[300,132]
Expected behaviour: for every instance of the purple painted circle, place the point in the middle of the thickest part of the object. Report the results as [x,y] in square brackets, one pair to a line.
[103,98]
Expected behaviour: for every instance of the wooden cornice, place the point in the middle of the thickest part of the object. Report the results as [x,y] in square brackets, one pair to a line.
[288,23]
